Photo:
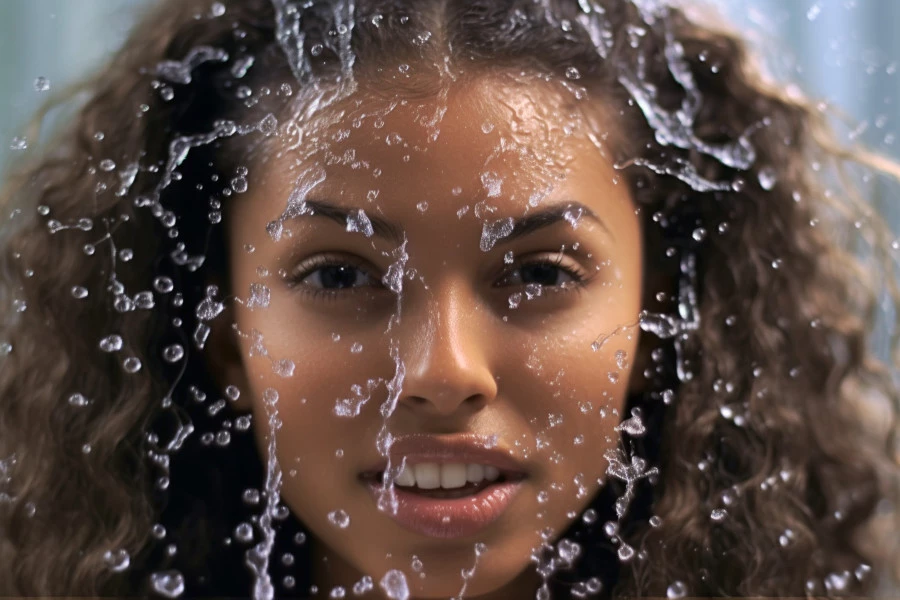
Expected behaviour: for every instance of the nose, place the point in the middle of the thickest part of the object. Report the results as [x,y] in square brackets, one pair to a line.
[447,362]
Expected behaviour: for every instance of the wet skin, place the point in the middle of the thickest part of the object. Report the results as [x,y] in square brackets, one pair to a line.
[472,363]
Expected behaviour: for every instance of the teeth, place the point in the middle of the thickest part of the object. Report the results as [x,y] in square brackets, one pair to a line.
[406,477]
[430,476]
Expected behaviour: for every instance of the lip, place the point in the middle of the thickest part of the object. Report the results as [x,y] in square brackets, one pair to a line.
[449,518]
[458,448]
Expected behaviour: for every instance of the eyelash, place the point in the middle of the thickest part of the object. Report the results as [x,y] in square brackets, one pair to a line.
[304,270]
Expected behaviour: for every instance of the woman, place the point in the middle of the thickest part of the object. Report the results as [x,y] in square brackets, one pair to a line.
[573,322]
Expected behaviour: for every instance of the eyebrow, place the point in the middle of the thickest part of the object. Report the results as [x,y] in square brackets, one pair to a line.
[522,226]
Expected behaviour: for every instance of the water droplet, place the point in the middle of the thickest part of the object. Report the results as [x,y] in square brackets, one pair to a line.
[699,234]
[132,364]
[422,206]
[209,309]
[260,296]
[117,560]
[626,552]
[107,165]
[356,348]
[217,9]
[41,84]
[767,178]
[655,521]
[633,426]
[111,343]
[19,143]
[676,590]
[572,73]
[494,231]
[163,285]
[837,582]
[492,184]
[244,532]
[173,353]
[144,300]
[239,185]
[394,585]
[813,13]
[284,367]
[339,518]
[360,222]
[77,399]
[168,583]
[718,515]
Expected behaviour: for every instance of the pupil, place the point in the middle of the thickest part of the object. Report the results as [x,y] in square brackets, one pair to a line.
[338,276]
[540,274]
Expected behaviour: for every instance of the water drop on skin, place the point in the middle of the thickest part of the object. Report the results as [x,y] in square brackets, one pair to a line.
[394,585]
[339,518]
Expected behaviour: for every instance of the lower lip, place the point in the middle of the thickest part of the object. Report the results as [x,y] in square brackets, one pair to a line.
[450,518]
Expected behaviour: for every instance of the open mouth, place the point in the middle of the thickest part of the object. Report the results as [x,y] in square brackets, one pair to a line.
[453,509]
[470,488]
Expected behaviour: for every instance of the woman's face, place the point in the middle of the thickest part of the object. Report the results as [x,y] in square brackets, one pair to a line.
[490,335]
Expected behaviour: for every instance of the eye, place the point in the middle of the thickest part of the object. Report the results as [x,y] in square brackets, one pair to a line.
[330,275]
[546,272]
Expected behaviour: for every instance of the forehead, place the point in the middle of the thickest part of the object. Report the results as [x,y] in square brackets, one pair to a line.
[442,164]
[472,132]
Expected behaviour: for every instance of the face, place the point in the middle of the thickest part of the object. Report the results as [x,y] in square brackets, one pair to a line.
[436,314]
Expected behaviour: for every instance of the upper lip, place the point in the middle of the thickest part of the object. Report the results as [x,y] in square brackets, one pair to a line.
[442,449]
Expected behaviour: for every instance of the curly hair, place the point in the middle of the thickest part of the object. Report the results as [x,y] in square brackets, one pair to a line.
[771,421]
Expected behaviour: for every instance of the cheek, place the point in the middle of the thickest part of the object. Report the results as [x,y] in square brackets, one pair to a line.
[573,398]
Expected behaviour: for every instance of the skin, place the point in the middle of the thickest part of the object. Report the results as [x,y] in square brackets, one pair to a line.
[472,364]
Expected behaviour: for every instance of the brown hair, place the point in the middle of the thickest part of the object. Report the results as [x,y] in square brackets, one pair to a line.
[761,410]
